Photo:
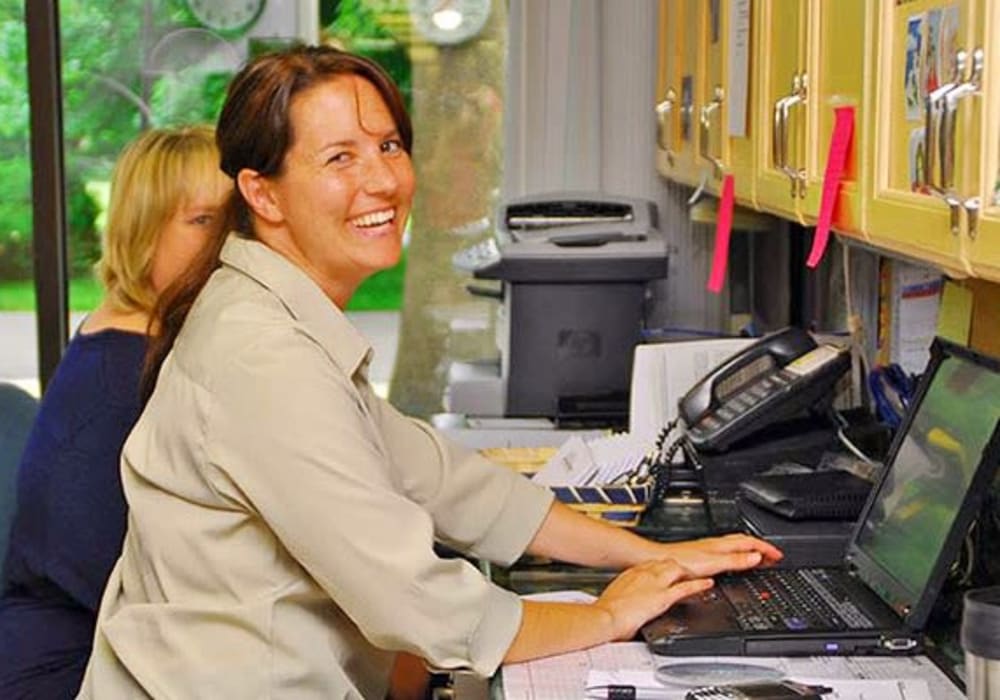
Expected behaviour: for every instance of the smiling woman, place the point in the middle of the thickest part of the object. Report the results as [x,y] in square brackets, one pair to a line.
[304,509]
[339,206]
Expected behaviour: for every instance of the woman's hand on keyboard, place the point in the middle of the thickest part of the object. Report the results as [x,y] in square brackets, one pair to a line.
[644,591]
[713,555]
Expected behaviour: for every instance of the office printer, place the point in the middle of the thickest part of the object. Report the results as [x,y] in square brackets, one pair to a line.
[574,269]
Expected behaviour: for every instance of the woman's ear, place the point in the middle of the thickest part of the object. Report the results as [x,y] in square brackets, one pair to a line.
[256,191]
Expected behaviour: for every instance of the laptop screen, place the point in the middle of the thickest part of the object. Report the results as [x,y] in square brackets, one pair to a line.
[919,500]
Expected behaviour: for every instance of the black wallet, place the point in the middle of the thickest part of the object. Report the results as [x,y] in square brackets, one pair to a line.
[833,494]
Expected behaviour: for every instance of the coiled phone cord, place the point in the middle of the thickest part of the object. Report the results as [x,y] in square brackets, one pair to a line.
[663,459]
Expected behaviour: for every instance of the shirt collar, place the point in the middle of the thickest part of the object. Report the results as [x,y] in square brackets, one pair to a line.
[303,298]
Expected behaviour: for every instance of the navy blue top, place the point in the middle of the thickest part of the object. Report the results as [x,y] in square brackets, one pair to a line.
[68,530]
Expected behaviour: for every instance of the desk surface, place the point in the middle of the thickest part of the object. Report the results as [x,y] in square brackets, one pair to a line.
[564,677]
[681,517]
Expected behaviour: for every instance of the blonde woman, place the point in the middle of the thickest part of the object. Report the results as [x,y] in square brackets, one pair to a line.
[167,199]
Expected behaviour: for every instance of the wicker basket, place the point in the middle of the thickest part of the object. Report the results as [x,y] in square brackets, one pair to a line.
[616,504]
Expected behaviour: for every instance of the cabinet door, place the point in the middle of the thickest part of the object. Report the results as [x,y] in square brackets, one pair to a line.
[780,111]
[712,145]
[668,75]
[690,22]
[728,91]
[916,57]
[835,41]
[981,194]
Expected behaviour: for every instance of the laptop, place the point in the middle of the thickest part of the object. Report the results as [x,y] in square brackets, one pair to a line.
[942,460]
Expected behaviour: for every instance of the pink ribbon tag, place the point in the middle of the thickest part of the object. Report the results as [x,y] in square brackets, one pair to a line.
[840,144]
[723,227]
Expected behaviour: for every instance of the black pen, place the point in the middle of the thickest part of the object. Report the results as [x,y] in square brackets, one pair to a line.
[627,692]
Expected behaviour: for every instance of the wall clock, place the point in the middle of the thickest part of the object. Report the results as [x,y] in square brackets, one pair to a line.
[449,21]
[226,16]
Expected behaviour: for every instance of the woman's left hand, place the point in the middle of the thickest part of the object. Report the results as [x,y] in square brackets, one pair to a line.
[712,555]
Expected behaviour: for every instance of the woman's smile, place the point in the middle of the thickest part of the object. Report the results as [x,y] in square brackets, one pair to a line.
[376,223]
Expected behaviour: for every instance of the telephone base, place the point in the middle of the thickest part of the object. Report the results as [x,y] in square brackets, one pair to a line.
[802,440]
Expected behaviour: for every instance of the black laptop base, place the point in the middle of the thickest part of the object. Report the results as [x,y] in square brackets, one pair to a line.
[711,624]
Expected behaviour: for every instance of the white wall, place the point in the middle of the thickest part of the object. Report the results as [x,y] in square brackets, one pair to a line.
[579,116]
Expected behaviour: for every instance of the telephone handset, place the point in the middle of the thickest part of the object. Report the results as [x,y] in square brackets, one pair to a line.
[774,379]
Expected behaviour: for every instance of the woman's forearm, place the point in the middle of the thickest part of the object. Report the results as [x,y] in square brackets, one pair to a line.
[573,537]
[633,597]
[556,628]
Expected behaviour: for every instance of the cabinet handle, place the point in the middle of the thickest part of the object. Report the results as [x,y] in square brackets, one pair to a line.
[797,96]
[778,134]
[804,95]
[706,129]
[933,107]
[949,123]
[972,206]
[664,117]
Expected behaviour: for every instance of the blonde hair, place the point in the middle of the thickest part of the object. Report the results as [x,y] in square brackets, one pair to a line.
[155,174]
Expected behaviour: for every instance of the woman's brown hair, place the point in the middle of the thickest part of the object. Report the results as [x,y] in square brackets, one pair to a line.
[255,133]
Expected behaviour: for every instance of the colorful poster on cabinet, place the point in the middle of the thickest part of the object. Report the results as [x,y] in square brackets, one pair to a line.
[930,77]
[912,73]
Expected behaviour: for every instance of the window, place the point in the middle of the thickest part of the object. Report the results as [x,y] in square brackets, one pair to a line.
[18,357]
[128,65]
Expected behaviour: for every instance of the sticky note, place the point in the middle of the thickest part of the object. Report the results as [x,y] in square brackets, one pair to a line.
[955,315]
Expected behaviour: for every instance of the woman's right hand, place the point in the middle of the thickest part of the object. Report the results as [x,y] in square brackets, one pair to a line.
[646,590]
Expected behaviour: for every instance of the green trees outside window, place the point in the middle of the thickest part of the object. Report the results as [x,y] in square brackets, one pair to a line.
[128,65]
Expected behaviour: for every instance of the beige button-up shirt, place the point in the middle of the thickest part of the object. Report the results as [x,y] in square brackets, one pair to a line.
[282,517]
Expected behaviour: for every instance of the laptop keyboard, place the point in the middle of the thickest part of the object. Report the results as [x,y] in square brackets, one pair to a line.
[798,599]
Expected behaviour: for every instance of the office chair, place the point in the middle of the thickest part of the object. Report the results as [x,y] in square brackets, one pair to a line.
[17,413]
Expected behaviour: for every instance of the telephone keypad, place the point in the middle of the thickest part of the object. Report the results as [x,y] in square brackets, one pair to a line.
[783,377]
[743,402]
[759,390]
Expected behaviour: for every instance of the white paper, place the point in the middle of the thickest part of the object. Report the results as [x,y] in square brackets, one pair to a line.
[739,66]
[663,372]
[565,677]
[571,464]
[594,462]
[916,298]
[567,596]
[649,687]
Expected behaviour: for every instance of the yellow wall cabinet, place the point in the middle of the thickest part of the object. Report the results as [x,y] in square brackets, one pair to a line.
[837,34]
[923,176]
[697,144]
[812,59]
[727,91]
[668,62]
[677,108]
[782,67]
[981,194]
[931,118]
